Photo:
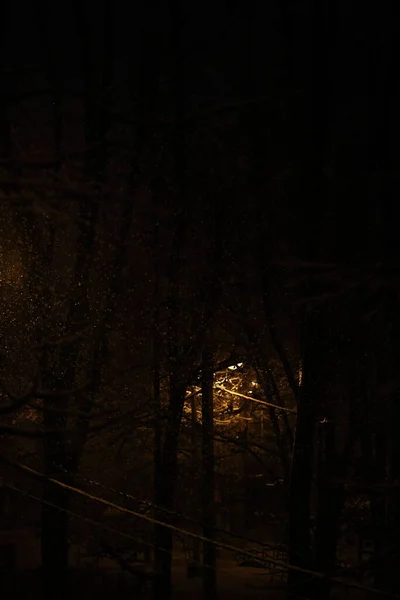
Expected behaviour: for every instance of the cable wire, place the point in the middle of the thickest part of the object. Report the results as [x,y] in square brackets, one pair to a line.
[295,568]
[105,527]
[83,518]
[168,511]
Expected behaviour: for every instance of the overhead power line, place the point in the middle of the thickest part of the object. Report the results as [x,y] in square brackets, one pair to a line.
[220,544]
[107,528]
[173,513]
[83,518]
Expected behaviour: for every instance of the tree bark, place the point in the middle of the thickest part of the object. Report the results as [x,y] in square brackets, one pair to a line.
[208,491]
[301,478]
[168,465]
[330,500]
[378,503]
[196,467]
[392,583]
[165,485]
[59,457]
[54,534]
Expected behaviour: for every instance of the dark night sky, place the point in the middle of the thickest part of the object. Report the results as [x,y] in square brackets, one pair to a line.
[235,51]
[216,37]
[226,146]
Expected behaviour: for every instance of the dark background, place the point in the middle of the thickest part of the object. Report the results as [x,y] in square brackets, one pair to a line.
[187,187]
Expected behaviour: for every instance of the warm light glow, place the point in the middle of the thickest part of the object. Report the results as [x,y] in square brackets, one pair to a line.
[300,376]
[234,367]
[229,393]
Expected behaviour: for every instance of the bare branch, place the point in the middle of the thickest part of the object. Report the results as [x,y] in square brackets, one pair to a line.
[67,339]
[256,400]
[8,430]
[17,402]
[48,394]
[70,412]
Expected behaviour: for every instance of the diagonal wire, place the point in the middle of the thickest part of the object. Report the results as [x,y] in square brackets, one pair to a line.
[83,518]
[173,513]
[104,527]
[278,563]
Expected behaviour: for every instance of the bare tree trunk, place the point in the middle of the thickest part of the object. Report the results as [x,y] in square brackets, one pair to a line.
[196,467]
[208,492]
[392,564]
[378,503]
[59,456]
[330,500]
[54,534]
[168,467]
[157,340]
[165,494]
[300,551]
[312,245]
